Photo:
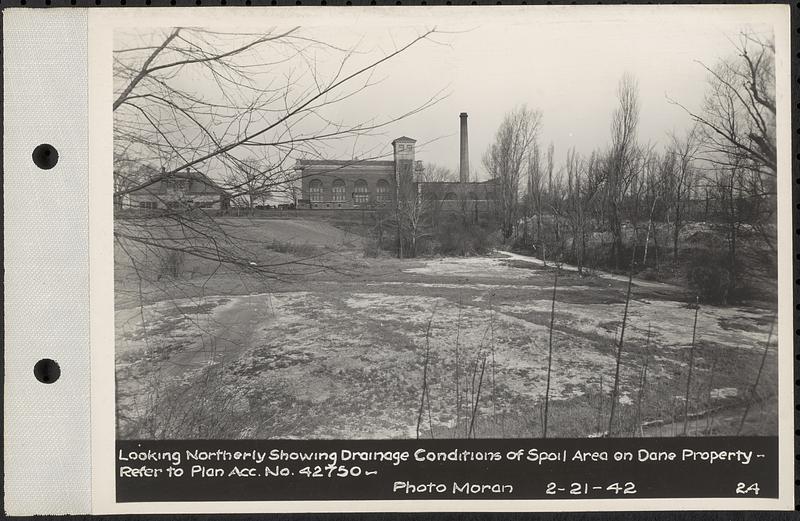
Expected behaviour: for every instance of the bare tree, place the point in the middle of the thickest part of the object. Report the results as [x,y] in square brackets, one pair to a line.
[620,345]
[506,159]
[255,103]
[534,197]
[644,167]
[622,158]
[576,200]
[545,413]
[555,199]
[582,191]
[237,109]
[691,368]
[737,119]
[240,107]
[414,215]
[433,173]
[680,171]
[251,182]
[129,173]
[653,194]
[732,215]
[737,143]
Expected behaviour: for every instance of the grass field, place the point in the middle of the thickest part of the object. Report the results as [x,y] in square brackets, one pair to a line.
[340,352]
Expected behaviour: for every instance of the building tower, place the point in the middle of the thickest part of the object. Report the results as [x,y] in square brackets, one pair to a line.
[463,170]
[404,160]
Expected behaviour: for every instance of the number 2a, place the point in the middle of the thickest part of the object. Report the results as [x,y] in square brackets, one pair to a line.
[742,488]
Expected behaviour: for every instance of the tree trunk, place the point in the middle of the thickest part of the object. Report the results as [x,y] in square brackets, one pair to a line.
[649,226]
[525,233]
[655,246]
[621,343]
[539,227]
[550,356]
[734,276]
[691,366]
[675,232]
[616,233]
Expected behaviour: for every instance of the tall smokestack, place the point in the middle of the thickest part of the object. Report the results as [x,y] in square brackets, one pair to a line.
[463,171]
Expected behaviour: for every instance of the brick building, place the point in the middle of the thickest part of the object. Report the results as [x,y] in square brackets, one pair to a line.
[329,184]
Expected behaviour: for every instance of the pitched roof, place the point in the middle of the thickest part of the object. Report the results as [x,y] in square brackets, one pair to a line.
[404,139]
[193,176]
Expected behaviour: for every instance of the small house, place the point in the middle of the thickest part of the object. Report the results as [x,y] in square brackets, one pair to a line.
[185,189]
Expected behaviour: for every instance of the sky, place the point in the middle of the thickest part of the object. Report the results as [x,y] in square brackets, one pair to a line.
[564,62]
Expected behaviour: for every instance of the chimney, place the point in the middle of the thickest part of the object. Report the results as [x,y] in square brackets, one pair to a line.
[463,171]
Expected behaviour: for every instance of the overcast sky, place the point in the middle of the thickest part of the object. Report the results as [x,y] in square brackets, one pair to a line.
[565,65]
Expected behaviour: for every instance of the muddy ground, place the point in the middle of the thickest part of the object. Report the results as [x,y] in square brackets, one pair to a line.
[449,347]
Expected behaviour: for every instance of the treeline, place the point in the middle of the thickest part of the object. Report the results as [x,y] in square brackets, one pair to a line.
[702,206]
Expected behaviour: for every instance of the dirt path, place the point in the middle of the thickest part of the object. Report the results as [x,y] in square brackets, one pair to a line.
[235,325]
[597,273]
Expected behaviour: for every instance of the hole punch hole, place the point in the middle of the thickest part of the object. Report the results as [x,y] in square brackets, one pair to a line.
[46,371]
[45,156]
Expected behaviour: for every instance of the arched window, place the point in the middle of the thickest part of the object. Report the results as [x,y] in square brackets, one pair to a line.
[315,191]
[473,196]
[449,196]
[338,191]
[382,192]
[361,192]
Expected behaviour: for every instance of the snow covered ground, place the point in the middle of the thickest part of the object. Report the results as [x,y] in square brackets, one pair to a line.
[344,358]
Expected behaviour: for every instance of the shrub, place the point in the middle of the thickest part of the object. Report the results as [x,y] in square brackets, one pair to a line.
[428,246]
[520,246]
[458,239]
[372,248]
[297,249]
[709,282]
[194,408]
[708,277]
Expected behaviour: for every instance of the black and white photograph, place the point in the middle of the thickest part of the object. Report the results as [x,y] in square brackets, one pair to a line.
[544,226]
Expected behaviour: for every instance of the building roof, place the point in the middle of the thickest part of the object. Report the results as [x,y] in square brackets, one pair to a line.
[335,162]
[197,181]
[404,139]
[458,183]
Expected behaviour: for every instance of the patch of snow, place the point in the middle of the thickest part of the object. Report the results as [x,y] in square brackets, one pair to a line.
[724,392]
[356,357]
[625,399]
[470,267]
[478,286]
[664,317]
